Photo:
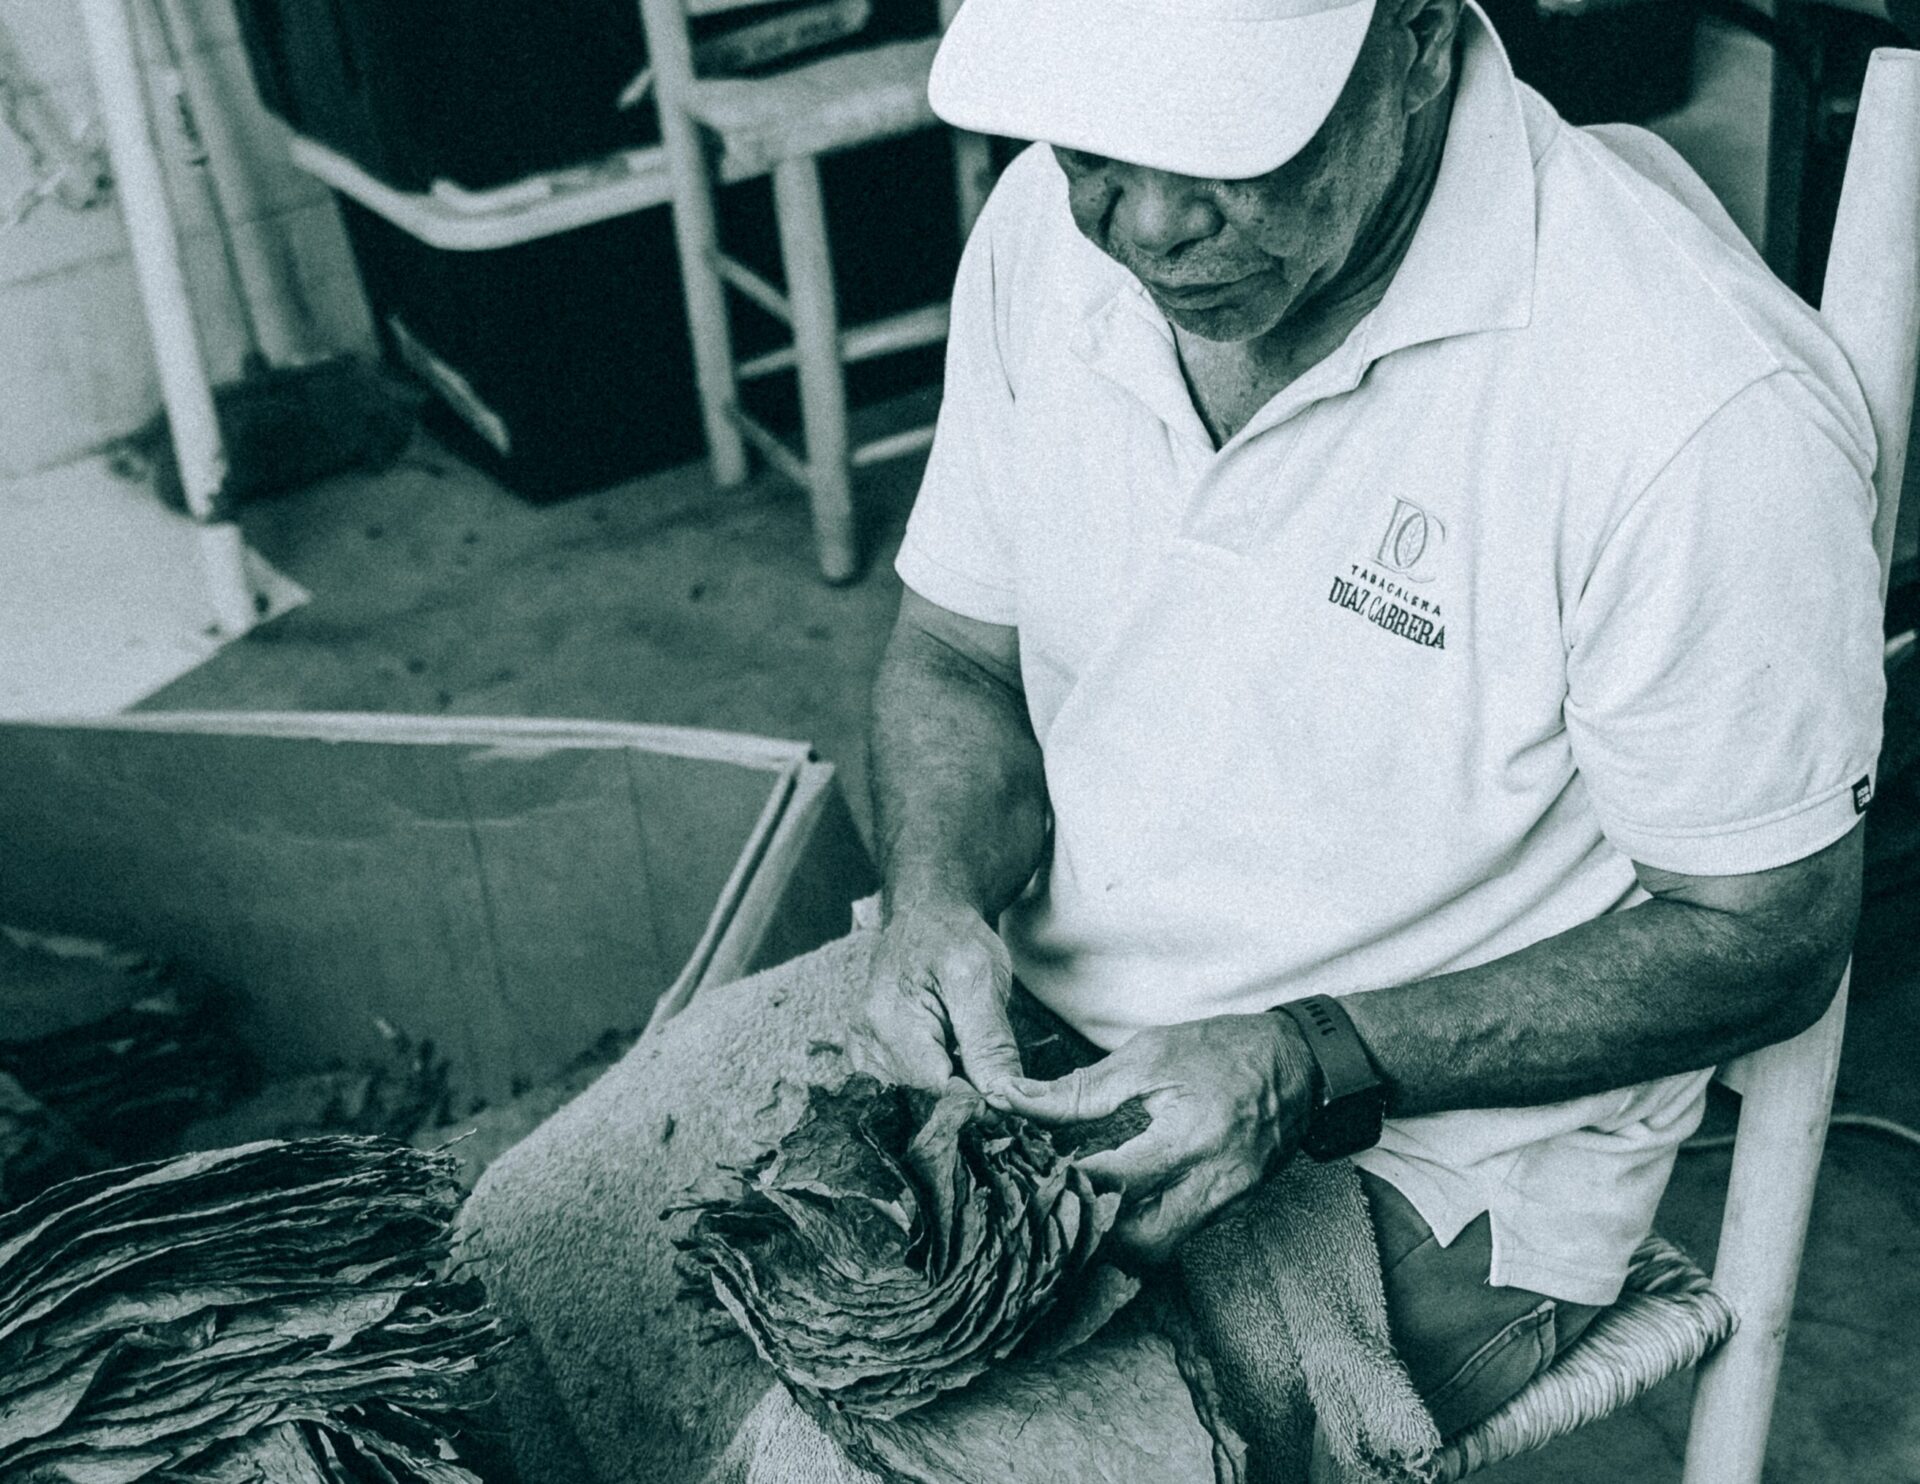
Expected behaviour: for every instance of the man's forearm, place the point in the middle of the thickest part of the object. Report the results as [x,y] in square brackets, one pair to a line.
[1668,986]
[959,790]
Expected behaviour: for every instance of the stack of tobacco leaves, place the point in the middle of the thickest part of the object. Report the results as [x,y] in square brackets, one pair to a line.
[894,1246]
[278,1313]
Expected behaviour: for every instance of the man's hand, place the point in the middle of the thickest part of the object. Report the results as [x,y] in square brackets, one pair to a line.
[938,986]
[1229,1098]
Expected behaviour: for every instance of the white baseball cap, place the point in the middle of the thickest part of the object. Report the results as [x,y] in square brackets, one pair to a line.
[1222,89]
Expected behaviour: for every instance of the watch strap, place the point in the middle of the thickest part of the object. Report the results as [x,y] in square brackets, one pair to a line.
[1352,1097]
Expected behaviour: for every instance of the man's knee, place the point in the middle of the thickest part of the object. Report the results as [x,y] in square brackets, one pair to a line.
[1467,1345]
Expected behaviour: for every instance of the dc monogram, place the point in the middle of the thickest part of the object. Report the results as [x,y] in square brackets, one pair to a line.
[1410,548]
[1379,588]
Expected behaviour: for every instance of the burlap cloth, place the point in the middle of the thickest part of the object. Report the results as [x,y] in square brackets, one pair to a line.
[1275,1314]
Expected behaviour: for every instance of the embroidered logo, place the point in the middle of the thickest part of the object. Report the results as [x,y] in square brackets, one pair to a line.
[1410,547]
[1863,794]
[1408,551]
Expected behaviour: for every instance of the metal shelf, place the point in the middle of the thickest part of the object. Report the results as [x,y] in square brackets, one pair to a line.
[479,221]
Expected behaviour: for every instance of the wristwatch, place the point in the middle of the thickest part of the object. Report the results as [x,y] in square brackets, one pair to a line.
[1350,1100]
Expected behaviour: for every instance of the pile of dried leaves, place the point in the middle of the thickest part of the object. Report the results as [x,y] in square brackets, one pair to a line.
[279,1312]
[894,1246]
[38,1147]
[130,1082]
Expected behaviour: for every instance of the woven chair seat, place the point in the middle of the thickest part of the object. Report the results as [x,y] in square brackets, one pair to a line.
[1667,1318]
[848,99]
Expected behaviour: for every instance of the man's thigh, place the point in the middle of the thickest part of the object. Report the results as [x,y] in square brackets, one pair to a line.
[1468,1346]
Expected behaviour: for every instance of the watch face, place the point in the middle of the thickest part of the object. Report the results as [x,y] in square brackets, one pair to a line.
[1348,1124]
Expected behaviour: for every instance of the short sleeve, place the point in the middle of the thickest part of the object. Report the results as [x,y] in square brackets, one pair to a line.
[1724,673]
[957,552]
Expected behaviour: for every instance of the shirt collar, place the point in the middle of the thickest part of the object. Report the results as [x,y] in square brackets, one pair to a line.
[1471,263]
[1469,268]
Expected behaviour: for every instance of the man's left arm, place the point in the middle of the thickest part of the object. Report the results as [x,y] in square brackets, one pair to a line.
[1710,968]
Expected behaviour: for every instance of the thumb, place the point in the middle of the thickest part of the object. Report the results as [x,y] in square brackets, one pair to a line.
[1154,1229]
[1079,1097]
[1145,1162]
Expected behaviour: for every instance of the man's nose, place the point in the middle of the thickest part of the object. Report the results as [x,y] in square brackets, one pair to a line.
[1159,213]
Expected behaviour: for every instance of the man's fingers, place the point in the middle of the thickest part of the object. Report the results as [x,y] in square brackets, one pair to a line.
[904,1040]
[913,1061]
[1153,1158]
[987,1048]
[1092,1092]
[1153,1230]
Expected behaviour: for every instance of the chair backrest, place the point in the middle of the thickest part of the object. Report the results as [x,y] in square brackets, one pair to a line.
[676,59]
[1871,305]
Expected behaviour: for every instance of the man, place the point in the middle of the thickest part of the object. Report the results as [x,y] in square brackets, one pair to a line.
[1375,533]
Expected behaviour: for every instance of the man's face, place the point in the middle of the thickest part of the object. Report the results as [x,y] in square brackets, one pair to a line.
[1234,259]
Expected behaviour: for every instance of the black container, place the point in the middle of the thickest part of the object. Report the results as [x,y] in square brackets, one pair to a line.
[564,364]
[558,366]
[477,92]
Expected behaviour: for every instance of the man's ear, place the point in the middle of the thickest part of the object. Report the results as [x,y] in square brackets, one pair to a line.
[1434,25]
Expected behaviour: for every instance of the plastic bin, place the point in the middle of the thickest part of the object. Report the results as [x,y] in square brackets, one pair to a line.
[477,92]
[557,366]
[564,364]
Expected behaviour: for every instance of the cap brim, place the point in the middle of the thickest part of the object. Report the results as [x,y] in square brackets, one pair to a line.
[1218,97]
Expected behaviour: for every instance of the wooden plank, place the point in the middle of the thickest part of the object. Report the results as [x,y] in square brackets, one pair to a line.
[908,330]
[1871,299]
[770,445]
[800,214]
[750,285]
[893,446]
[1786,1095]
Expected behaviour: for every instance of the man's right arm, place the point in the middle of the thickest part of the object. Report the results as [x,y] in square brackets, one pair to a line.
[960,817]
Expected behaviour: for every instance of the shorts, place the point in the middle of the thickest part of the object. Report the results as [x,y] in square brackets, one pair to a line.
[1468,1346]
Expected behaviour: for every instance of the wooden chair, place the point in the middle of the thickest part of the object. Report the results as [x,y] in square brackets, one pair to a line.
[1671,1315]
[720,130]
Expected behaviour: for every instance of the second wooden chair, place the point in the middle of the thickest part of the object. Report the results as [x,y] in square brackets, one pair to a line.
[718,130]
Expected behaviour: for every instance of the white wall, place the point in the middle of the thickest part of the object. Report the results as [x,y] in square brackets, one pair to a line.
[75,369]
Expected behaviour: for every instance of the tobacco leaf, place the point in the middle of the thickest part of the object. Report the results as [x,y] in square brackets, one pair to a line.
[275,1312]
[894,1246]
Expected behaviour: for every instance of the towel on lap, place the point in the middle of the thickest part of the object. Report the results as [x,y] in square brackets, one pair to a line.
[616,1378]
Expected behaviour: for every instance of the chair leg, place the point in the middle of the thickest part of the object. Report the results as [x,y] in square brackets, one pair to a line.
[1783,1129]
[696,234]
[816,342]
[972,176]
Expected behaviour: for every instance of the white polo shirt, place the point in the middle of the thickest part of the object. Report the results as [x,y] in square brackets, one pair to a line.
[1560,561]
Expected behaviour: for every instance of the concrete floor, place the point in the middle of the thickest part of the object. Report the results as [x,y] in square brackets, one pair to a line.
[666,601]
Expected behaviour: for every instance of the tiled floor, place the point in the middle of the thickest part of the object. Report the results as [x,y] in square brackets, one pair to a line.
[667,601]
